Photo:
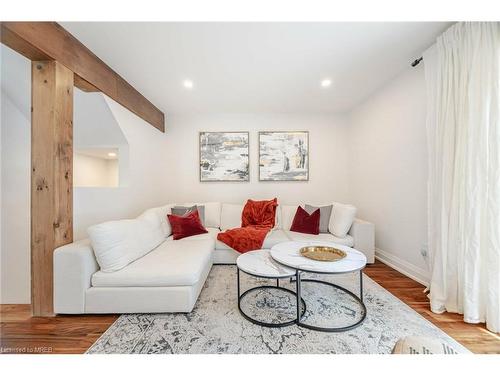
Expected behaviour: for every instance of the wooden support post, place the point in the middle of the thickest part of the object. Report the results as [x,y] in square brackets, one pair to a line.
[51,175]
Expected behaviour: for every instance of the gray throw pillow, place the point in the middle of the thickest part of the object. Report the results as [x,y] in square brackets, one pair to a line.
[182,210]
[324,212]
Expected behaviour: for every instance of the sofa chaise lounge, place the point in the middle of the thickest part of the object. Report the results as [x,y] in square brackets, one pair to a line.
[169,277]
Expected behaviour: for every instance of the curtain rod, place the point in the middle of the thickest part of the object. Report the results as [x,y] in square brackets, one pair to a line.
[416,62]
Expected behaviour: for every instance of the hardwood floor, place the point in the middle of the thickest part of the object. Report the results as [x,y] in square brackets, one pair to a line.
[474,337]
[19,332]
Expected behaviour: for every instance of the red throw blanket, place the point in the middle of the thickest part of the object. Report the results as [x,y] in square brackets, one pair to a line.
[257,219]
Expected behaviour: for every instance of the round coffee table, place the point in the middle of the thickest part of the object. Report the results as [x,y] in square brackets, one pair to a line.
[258,263]
[288,254]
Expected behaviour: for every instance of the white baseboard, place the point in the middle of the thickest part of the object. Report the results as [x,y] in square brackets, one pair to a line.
[413,272]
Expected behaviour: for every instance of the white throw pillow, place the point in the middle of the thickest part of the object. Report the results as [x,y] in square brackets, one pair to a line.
[212,212]
[341,219]
[162,213]
[118,243]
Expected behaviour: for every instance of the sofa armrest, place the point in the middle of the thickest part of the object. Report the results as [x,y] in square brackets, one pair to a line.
[363,233]
[74,265]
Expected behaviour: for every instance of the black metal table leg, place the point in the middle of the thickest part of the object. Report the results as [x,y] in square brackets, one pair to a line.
[297,292]
[238,278]
[301,305]
[361,285]
[359,300]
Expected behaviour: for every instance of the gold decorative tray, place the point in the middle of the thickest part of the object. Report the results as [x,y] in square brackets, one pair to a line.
[323,253]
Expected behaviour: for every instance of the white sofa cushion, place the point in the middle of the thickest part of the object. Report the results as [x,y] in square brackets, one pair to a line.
[227,256]
[273,237]
[230,216]
[296,236]
[173,263]
[212,212]
[158,216]
[278,220]
[287,215]
[162,213]
[118,243]
[342,218]
[212,234]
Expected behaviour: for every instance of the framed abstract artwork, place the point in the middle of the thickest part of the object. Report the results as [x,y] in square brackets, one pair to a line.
[224,156]
[284,156]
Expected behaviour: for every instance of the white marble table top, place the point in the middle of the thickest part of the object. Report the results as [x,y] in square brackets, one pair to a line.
[288,253]
[260,263]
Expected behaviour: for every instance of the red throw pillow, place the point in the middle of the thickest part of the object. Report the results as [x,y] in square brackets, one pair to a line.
[187,225]
[305,223]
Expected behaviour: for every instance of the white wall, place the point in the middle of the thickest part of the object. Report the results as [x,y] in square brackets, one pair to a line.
[92,171]
[149,180]
[388,171]
[15,195]
[328,158]
[15,177]
[95,127]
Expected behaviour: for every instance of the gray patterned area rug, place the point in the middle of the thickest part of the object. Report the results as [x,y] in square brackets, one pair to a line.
[216,326]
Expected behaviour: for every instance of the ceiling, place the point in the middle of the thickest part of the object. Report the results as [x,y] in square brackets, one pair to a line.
[257,67]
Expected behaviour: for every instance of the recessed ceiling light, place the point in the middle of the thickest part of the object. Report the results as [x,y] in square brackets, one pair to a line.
[188,84]
[111,154]
[326,82]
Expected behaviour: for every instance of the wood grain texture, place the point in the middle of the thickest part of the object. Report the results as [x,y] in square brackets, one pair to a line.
[75,334]
[49,40]
[22,333]
[12,40]
[52,175]
[84,85]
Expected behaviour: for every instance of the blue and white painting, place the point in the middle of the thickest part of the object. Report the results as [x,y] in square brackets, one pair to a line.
[284,156]
[224,156]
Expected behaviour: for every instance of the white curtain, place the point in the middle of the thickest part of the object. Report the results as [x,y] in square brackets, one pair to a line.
[463,77]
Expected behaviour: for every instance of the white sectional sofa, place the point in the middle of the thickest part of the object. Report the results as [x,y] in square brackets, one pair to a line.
[169,277]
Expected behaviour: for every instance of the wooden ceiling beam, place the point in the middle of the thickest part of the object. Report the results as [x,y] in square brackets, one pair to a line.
[50,41]
[84,85]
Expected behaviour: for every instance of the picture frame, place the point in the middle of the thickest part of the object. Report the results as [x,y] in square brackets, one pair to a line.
[283,156]
[224,156]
